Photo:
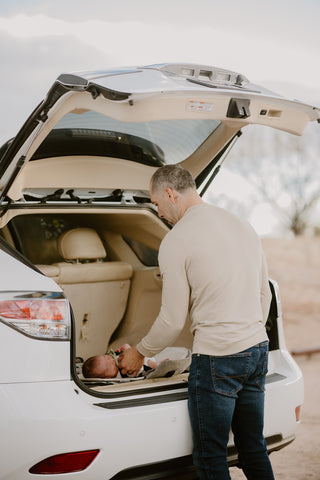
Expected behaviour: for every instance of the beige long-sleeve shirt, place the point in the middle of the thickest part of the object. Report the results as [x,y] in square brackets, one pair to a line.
[213,267]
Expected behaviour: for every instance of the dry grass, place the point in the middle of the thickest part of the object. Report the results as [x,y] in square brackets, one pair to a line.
[295,265]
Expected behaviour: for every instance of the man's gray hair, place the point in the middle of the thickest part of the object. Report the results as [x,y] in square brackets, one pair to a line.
[172,176]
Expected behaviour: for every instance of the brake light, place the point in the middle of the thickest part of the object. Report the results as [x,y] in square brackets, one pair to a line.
[65,463]
[39,314]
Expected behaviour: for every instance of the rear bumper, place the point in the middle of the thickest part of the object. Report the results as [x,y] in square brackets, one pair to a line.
[274,443]
[42,419]
[182,468]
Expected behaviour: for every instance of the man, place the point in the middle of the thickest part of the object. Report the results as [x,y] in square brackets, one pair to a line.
[213,268]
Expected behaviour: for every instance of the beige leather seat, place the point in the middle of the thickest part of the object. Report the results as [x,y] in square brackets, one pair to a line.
[97,290]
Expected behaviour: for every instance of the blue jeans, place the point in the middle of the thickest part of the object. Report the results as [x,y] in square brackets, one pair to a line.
[227,392]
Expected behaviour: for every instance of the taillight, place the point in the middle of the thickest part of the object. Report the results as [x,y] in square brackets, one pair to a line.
[39,314]
[65,463]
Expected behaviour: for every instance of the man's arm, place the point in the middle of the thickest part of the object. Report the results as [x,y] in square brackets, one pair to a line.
[174,307]
[174,302]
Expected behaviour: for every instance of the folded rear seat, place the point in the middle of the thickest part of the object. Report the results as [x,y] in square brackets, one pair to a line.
[98,290]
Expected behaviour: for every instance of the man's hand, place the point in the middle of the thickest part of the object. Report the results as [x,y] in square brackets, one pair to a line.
[123,347]
[131,362]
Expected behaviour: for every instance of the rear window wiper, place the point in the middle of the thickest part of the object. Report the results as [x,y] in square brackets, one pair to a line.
[53,196]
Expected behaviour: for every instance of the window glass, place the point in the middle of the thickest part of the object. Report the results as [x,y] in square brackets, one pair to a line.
[35,236]
[148,256]
[171,141]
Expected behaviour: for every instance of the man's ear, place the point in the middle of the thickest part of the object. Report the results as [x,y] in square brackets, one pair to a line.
[171,194]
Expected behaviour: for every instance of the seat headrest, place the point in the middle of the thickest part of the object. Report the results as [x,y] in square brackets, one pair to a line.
[81,244]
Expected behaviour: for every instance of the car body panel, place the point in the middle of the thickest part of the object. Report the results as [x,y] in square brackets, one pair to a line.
[39,360]
[19,276]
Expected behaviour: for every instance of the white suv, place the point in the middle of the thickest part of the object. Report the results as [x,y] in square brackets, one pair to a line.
[78,251]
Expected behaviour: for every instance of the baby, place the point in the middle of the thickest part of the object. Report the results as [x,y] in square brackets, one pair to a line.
[106,366]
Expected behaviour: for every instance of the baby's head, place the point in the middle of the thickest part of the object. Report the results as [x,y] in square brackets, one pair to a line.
[100,366]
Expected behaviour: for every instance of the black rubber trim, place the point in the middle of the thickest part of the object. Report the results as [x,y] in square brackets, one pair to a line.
[129,392]
[208,169]
[137,402]
[272,322]
[275,377]
[75,206]
[141,402]
[72,80]
[181,468]
[114,95]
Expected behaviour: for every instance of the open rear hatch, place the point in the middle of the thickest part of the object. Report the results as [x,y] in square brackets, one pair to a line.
[144,117]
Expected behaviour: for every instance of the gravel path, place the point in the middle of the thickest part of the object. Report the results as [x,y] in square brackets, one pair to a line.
[295,265]
[301,459]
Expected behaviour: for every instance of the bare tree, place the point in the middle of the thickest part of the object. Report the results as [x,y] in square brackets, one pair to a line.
[285,171]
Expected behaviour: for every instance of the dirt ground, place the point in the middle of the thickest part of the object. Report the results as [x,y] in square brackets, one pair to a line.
[295,265]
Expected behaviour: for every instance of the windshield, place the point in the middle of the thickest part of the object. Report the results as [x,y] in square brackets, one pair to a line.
[153,143]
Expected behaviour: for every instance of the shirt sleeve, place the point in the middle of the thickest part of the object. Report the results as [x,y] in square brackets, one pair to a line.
[265,292]
[175,299]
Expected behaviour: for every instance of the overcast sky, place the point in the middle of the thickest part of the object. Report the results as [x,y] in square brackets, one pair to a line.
[272,42]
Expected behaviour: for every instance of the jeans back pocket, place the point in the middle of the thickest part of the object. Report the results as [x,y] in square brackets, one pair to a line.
[229,372]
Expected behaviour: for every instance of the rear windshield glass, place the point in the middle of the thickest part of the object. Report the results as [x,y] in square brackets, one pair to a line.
[152,143]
